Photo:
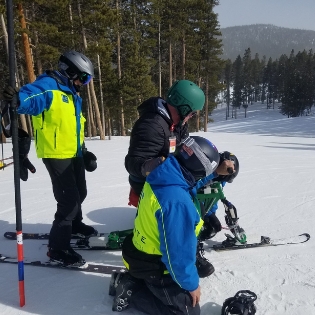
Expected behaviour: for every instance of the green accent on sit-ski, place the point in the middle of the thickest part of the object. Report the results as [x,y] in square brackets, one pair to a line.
[116,238]
[243,240]
[209,199]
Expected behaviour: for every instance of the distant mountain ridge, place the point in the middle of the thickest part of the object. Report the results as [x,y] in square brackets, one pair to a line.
[265,39]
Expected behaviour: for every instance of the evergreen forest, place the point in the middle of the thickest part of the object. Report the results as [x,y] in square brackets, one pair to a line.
[139,49]
[289,80]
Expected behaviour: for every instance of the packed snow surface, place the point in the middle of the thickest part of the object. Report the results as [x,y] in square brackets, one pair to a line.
[274,194]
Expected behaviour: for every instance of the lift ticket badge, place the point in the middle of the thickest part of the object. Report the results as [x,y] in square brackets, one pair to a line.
[172,144]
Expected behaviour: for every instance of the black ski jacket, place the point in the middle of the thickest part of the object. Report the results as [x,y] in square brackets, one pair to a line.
[150,135]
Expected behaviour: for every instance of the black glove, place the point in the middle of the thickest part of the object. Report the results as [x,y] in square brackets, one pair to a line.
[25,166]
[228,178]
[24,141]
[149,165]
[231,214]
[9,92]
[89,160]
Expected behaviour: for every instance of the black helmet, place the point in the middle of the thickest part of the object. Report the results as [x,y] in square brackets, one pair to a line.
[76,66]
[198,155]
[228,156]
[241,304]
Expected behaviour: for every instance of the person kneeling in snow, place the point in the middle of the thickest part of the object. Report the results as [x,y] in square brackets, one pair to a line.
[160,254]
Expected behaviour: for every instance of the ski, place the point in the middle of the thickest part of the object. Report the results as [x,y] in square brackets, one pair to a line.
[101,241]
[39,236]
[114,241]
[93,268]
[231,243]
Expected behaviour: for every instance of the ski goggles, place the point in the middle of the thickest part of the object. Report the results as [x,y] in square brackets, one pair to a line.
[190,147]
[84,78]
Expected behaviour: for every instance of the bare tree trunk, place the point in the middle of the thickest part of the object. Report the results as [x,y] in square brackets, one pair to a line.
[160,70]
[88,118]
[101,95]
[21,83]
[71,22]
[91,84]
[38,60]
[184,57]
[92,127]
[96,111]
[28,61]
[26,44]
[110,132]
[170,59]
[205,123]
[122,114]
[5,35]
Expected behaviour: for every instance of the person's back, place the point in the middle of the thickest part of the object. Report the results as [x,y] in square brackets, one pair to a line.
[159,129]
[149,136]
[161,253]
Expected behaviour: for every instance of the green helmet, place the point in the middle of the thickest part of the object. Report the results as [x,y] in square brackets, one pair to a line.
[186,96]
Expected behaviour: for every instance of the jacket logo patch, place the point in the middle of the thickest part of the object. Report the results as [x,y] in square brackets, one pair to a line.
[65,99]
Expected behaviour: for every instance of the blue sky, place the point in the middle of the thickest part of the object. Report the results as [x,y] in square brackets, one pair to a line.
[285,13]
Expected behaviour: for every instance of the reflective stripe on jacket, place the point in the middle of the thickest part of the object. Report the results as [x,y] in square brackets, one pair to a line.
[168,221]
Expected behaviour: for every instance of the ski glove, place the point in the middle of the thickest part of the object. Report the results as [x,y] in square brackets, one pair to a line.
[24,142]
[231,220]
[149,165]
[9,92]
[89,160]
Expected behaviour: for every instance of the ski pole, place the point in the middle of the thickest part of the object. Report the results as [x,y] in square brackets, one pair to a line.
[14,129]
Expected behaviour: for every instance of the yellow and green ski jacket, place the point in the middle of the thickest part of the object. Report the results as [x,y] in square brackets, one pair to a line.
[168,222]
[56,114]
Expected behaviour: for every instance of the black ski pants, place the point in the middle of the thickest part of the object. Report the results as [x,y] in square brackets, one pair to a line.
[69,188]
[163,297]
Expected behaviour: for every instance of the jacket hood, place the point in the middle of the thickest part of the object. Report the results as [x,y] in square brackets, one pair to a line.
[155,105]
[170,173]
[58,81]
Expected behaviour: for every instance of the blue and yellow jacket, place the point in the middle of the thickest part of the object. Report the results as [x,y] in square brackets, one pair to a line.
[57,116]
[168,222]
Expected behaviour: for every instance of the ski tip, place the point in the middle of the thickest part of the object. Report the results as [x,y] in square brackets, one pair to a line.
[10,235]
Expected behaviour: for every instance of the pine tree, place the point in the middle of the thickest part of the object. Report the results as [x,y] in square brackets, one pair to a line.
[238,84]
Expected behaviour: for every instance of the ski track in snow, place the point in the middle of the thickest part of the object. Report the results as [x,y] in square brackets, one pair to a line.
[273,193]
